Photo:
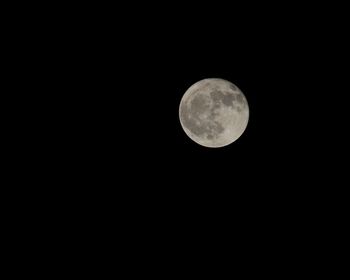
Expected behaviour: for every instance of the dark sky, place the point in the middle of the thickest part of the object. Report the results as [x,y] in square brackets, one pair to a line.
[125,81]
[120,150]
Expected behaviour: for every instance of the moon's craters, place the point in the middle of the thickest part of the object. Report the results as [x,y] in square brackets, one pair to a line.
[197,119]
[233,87]
[213,112]
[224,97]
[199,105]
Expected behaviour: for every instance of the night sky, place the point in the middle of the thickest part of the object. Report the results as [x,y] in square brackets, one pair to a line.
[121,156]
[125,81]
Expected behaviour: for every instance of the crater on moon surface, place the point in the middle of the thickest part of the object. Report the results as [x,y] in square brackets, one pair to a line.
[199,104]
[198,126]
[226,98]
[233,87]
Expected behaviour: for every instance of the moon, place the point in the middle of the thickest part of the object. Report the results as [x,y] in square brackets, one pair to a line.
[214,112]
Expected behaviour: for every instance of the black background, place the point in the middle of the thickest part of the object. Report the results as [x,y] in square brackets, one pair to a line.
[112,150]
[121,81]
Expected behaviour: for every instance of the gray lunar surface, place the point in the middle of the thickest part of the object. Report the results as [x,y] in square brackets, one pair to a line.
[214,112]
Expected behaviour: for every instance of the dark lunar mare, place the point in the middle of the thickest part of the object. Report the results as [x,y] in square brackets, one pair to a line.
[240,99]
[226,98]
[190,118]
[199,105]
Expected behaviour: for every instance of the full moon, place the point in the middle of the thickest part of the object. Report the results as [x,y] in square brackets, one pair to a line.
[214,112]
